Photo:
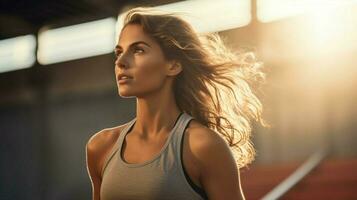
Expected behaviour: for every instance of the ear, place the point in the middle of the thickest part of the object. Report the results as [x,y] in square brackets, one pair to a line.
[174,68]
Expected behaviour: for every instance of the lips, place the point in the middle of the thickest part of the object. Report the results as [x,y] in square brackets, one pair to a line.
[124,77]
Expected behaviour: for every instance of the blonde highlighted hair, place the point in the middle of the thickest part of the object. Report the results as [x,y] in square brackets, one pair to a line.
[216,85]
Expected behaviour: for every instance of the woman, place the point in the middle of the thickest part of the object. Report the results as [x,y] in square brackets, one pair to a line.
[192,130]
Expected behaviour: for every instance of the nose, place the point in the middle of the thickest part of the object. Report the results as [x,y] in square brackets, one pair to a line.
[121,63]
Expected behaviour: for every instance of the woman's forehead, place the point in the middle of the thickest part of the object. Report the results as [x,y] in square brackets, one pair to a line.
[132,33]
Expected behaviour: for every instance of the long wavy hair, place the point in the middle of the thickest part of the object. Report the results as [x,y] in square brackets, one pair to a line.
[216,84]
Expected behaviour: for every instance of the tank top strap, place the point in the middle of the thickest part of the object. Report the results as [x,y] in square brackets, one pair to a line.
[184,122]
[186,118]
[117,144]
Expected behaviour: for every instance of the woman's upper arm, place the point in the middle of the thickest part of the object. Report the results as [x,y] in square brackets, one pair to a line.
[219,173]
[92,160]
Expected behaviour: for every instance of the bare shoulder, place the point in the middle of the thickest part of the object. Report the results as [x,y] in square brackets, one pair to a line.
[97,148]
[103,137]
[202,139]
[99,145]
[218,171]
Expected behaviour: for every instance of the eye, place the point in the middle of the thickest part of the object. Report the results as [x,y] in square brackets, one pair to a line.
[117,53]
[138,50]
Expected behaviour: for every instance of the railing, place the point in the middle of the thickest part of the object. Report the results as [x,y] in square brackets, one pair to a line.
[297,175]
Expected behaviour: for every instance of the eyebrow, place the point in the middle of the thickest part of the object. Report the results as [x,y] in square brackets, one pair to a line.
[132,44]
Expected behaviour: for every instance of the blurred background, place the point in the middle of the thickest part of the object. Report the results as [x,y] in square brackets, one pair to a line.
[57,88]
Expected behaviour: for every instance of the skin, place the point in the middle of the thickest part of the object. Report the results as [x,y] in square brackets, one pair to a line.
[206,157]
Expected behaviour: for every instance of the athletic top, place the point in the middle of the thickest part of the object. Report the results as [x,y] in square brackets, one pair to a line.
[162,177]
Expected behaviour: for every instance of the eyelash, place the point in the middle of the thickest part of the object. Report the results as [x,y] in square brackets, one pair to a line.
[118,53]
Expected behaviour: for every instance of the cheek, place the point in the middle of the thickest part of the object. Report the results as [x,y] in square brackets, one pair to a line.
[149,73]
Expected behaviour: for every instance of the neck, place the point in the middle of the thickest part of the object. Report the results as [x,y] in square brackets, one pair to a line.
[155,115]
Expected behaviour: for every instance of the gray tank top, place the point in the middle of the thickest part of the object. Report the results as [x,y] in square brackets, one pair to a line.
[162,177]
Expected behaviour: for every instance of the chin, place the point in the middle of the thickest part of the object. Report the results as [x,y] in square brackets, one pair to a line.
[125,94]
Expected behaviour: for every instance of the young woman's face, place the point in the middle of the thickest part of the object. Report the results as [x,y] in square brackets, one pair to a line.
[141,58]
